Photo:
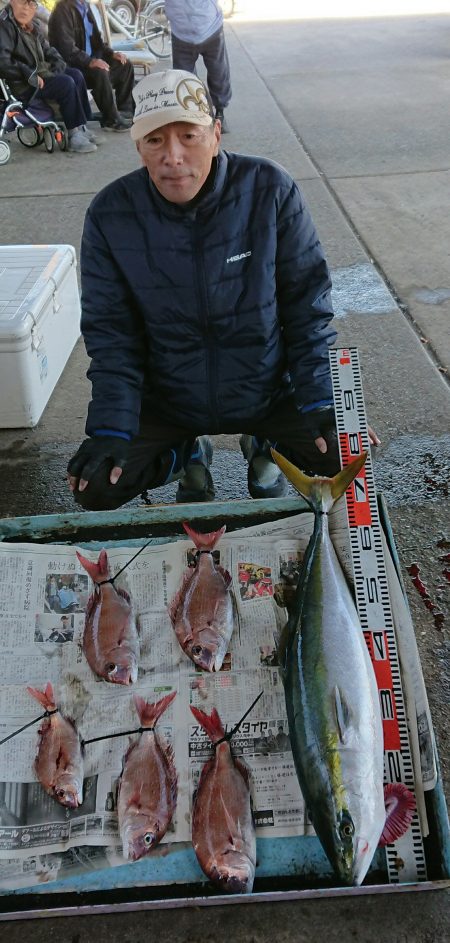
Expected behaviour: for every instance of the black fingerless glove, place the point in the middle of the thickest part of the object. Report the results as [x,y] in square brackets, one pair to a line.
[318,422]
[93,452]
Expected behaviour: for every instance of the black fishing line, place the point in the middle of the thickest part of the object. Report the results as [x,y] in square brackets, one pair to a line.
[111,580]
[30,724]
[122,733]
[232,732]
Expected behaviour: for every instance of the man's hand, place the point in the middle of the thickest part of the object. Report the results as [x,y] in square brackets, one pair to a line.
[120,57]
[322,420]
[99,64]
[91,454]
[40,81]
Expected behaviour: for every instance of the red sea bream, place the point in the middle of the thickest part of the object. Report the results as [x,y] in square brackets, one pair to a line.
[148,785]
[110,640]
[202,610]
[59,760]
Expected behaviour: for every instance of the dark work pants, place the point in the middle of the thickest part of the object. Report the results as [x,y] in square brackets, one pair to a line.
[103,84]
[159,446]
[215,57]
[68,90]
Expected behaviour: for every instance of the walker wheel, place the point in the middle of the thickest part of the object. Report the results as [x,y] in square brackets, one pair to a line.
[61,138]
[30,137]
[5,152]
[49,140]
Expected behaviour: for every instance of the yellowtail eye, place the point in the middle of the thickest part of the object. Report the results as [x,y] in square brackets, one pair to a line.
[346,827]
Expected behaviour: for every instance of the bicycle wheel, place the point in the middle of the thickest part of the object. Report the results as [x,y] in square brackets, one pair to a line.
[125,10]
[156,31]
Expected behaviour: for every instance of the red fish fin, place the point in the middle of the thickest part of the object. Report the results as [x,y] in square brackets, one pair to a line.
[227,578]
[400,807]
[211,724]
[123,593]
[173,777]
[244,771]
[204,541]
[149,713]
[46,698]
[97,571]
[179,595]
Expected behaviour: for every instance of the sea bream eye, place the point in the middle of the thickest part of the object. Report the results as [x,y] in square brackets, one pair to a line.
[148,838]
[197,650]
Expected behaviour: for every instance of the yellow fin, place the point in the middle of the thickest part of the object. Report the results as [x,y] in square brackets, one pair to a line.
[302,483]
[310,487]
[344,478]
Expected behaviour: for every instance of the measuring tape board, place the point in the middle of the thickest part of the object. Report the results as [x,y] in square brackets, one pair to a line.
[405,857]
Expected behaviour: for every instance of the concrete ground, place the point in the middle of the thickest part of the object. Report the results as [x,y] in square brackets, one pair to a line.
[357,110]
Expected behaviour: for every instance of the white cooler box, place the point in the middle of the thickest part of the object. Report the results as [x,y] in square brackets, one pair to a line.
[39,326]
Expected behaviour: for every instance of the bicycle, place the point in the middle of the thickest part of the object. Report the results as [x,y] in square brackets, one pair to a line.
[150,25]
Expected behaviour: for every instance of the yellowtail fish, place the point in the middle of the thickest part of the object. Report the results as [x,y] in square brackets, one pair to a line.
[332,698]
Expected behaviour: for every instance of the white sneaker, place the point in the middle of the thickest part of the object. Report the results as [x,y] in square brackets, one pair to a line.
[79,143]
[90,135]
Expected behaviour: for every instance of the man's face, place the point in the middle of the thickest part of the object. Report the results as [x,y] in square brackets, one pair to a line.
[24,11]
[178,158]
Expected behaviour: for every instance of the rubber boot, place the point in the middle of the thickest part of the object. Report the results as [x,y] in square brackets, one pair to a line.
[196,483]
[265,480]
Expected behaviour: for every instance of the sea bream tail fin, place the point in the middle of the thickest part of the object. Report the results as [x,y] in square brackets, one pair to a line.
[97,571]
[321,493]
[46,697]
[400,806]
[150,713]
[204,541]
[211,723]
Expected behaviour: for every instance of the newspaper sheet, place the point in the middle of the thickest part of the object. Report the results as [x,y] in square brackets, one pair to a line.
[43,596]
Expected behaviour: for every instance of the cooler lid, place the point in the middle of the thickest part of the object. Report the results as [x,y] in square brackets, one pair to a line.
[29,276]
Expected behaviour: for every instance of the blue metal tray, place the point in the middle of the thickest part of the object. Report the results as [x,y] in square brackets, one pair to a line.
[288,868]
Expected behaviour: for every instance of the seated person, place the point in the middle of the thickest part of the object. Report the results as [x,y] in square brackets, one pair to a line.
[35,71]
[67,598]
[73,31]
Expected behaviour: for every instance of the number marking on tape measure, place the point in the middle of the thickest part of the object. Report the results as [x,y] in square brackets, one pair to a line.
[405,857]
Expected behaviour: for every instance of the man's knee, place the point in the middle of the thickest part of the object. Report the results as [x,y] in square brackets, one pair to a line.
[108,498]
[99,78]
[76,75]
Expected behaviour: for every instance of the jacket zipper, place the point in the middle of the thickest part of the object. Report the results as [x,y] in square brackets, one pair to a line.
[210,347]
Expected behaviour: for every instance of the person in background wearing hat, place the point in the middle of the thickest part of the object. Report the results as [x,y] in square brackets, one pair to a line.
[197,30]
[35,71]
[206,309]
[73,31]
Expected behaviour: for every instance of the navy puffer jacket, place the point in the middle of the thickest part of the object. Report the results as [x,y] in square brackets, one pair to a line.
[206,315]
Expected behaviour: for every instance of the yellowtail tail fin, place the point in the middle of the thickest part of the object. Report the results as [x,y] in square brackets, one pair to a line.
[318,490]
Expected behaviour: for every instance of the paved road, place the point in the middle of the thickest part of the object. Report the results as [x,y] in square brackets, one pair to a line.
[357,110]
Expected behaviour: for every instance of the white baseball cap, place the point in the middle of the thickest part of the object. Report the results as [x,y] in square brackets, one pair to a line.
[164,97]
